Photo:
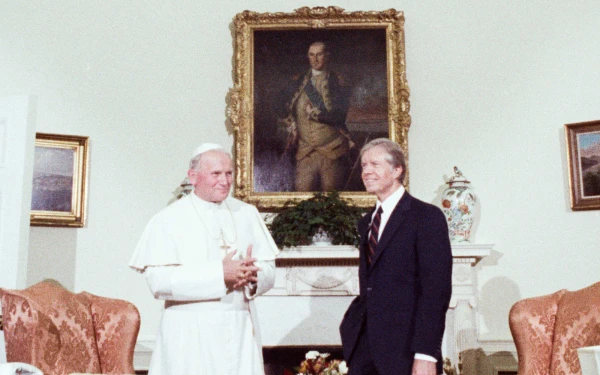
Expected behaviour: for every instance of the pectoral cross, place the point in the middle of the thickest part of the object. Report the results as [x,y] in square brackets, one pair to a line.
[224,247]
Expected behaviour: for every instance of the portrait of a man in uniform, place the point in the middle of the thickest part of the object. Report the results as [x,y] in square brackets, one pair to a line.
[314,115]
[319,95]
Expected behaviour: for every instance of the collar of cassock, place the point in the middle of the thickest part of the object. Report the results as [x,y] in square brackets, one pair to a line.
[206,205]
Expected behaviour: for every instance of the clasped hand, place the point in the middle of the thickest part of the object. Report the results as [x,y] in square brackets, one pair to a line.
[239,273]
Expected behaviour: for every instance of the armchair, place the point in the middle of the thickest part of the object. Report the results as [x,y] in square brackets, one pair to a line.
[61,332]
[548,330]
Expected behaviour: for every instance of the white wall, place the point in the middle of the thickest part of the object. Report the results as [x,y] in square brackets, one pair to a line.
[492,85]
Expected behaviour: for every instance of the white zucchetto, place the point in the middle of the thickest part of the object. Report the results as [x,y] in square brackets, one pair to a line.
[206,147]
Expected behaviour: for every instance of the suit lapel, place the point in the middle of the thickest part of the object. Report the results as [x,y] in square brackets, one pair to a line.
[394,222]
[363,224]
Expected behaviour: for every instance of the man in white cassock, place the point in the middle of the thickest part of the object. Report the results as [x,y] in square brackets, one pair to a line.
[207,255]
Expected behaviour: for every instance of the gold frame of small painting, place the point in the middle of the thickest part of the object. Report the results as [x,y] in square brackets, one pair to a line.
[59,190]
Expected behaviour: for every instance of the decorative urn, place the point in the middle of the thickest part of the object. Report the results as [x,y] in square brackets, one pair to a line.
[458,204]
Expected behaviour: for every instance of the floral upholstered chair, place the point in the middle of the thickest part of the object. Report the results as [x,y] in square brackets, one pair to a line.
[60,332]
[548,330]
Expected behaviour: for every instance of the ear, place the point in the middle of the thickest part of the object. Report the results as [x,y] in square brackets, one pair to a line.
[397,173]
[192,175]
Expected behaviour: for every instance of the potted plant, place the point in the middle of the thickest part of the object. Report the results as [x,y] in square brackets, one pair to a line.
[299,222]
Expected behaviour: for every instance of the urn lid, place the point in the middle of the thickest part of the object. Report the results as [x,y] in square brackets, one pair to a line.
[458,177]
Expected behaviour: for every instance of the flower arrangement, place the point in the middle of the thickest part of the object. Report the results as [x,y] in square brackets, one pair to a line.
[318,364]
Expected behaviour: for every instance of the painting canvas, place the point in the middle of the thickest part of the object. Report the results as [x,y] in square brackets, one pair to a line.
[583,144]
[589,162]
[358,60]
[52,179]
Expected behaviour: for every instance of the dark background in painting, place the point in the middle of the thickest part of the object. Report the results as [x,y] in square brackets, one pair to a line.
[358,55]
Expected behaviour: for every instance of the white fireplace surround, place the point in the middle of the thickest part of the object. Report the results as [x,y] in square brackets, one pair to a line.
[314,286]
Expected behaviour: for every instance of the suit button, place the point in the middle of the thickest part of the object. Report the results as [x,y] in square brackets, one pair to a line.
[369,289]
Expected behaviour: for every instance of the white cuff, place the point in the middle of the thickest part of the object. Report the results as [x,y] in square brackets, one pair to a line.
[425,357]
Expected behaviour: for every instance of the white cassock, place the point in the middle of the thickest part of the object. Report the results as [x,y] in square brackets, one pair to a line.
[205,328]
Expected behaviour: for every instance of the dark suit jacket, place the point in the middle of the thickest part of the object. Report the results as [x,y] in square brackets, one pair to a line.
[405,292]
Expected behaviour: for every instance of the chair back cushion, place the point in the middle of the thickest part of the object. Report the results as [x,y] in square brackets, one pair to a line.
[577,325]
[51,328]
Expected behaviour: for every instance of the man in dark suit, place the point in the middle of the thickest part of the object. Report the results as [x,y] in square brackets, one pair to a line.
[396,324]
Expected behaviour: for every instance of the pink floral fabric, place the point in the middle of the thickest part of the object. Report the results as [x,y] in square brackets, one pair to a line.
[548,330]
[577,325]
[532,326]
[55,330]
[116,324]
[18,321]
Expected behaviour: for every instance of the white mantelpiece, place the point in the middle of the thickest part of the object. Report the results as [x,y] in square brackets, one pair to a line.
[332,270]
[315,285]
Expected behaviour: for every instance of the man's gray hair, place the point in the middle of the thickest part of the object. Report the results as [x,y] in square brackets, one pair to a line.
[195,161]
[394,156]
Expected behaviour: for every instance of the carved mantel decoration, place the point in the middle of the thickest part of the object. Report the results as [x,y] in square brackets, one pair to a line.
[317,271]
[270,49]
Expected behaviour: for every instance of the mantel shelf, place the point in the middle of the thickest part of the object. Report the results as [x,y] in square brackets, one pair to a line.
[319,252]
[470,252]
[459,250]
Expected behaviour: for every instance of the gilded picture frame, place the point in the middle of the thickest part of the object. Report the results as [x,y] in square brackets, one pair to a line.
[59,188]
[583,154]
[366,54]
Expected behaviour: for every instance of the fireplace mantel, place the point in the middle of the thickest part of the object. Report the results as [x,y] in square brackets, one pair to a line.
[314,286]
[333,270]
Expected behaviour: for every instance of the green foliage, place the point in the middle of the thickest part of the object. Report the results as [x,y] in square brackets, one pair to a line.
[298,222]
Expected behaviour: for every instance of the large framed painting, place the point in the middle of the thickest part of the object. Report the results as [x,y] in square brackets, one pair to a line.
[583,153]
[310,89]
[59,180]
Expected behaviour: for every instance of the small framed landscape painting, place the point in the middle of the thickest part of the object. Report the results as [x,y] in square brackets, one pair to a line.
[583,153]
[58,197]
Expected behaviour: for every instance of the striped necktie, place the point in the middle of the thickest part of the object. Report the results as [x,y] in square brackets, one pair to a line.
[374,235]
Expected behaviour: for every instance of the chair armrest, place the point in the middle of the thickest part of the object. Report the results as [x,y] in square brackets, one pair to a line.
[116,325]
[19,322]
[531,323]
